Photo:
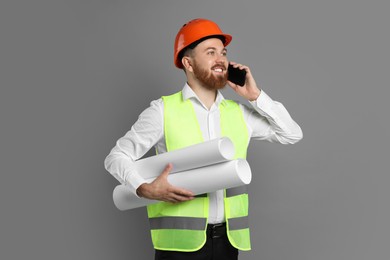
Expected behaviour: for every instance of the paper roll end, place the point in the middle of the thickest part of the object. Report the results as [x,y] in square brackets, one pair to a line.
[115,197]
[226,148]
[244,171]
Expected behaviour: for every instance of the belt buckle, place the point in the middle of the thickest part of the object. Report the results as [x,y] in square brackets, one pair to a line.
[217,225]
[214,233]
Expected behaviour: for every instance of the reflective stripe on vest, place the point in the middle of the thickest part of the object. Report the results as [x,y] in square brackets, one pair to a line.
[238,223]
[177,223]
[182,226]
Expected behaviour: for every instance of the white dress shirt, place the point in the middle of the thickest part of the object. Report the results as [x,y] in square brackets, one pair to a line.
[265,119]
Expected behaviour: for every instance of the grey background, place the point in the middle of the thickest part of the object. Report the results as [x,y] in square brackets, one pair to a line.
[76,74]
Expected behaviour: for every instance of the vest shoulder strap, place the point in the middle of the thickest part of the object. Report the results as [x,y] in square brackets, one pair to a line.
[181,126]
[233,126]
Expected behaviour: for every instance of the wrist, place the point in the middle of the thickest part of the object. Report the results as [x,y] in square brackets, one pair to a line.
[255,96]
[142,190]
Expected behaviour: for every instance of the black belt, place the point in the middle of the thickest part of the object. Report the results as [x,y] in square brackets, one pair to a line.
[216,230]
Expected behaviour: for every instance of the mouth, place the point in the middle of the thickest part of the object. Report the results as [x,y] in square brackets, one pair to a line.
[218,69]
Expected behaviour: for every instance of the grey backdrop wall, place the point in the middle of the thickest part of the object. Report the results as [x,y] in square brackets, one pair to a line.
[76,74]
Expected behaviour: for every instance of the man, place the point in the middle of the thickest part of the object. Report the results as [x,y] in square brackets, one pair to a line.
[212,226]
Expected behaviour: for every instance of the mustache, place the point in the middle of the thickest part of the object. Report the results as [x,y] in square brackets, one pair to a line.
[219,66]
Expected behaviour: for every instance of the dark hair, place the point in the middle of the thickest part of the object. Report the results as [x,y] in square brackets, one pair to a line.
[195,43]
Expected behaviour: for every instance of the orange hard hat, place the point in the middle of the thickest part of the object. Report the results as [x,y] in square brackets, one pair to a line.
[193,31]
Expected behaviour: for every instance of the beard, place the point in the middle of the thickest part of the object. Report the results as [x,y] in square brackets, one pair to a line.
[208,79]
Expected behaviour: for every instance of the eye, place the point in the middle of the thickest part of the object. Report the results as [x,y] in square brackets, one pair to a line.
[211,52]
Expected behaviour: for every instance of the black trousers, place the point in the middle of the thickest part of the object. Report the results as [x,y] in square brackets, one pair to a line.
[217,247]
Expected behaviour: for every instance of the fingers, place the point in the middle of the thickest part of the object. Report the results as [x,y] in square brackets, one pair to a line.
[163,190]
[234,86]
[176,194]
[165,173]
[240,66]
[176,198]
[249,91]
[167,169]
[181,192]
[173,189]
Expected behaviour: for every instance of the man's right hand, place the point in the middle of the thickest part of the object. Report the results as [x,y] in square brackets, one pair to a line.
[160,189]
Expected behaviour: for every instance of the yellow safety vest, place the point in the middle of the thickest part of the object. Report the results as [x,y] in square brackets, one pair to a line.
[182,226]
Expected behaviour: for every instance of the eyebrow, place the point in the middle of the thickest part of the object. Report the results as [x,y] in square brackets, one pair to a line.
[213,48]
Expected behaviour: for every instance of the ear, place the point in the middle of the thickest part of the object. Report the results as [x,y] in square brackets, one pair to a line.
[187,63]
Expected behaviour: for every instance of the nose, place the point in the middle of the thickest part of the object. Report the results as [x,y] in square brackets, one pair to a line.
[221,58]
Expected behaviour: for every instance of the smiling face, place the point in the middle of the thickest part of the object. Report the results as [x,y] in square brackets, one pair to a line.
[209,63]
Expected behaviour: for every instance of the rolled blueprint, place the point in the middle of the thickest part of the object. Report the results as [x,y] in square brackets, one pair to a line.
[200,180]
[194,156]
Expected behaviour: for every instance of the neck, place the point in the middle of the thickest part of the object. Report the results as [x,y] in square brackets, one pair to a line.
[207,96]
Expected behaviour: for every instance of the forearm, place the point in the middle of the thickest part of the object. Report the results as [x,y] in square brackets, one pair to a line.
[144,134]
[278,125]
[122,167]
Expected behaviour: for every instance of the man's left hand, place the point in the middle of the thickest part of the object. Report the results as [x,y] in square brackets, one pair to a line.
[250,91]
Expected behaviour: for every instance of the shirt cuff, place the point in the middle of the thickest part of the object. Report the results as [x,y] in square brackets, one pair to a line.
[263,102]
[134,180]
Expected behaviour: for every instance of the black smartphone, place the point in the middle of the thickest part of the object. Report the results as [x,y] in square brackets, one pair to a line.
[236,75]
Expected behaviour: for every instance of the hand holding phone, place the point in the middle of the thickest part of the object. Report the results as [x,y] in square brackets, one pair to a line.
[236,75]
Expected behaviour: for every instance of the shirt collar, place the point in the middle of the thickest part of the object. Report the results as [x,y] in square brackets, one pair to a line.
[188,93]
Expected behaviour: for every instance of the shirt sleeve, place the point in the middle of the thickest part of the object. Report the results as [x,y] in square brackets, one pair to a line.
[269,120]
[143,135]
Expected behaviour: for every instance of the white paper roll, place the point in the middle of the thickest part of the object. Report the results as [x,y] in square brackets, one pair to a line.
[200,180]
[194,156]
